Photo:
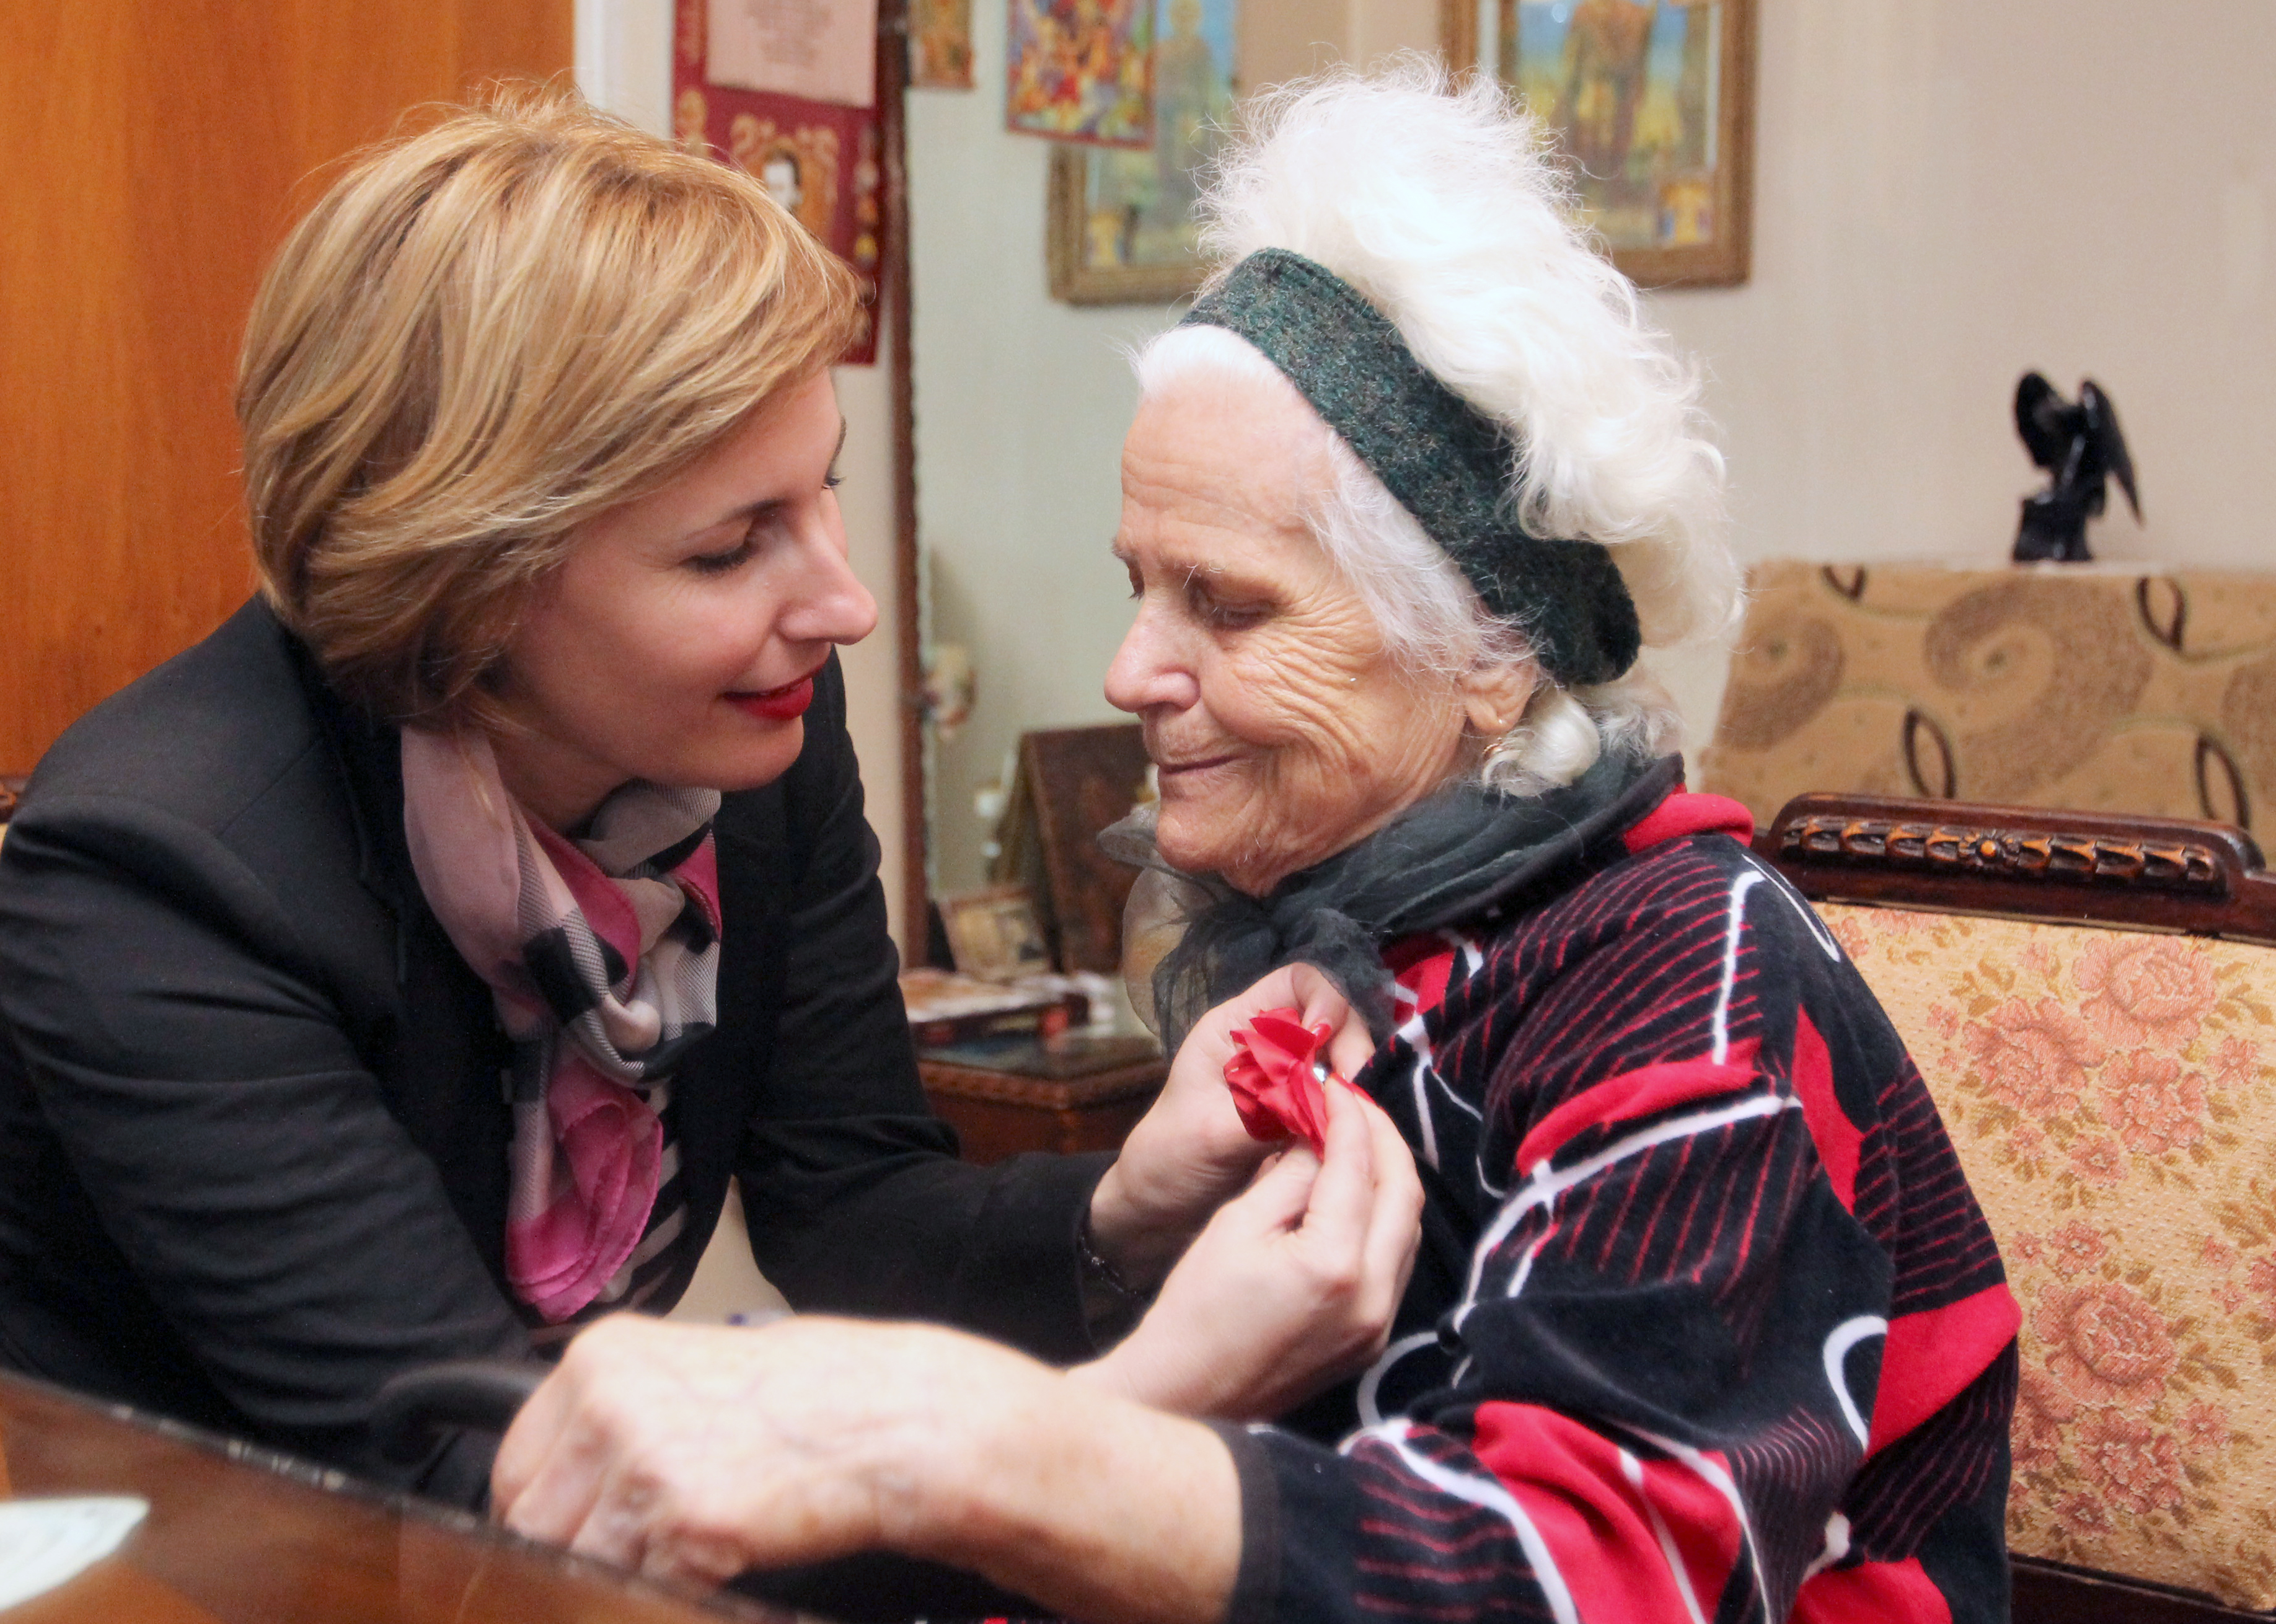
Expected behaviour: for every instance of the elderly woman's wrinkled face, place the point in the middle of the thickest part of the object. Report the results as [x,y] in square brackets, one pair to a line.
[1284,729]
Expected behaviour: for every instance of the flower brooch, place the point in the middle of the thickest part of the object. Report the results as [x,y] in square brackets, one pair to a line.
[1277,1074]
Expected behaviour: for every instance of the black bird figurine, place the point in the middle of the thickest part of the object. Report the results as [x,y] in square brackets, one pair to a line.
[2080,448]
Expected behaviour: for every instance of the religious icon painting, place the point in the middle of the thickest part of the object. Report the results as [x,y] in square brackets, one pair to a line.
[1651,102]
[820,160]
[1121,227]
[940,44]
[1080,71]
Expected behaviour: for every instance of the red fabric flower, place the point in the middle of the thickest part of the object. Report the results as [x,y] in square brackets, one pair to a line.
[1273,1084]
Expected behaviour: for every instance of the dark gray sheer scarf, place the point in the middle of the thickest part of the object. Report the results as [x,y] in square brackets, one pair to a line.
[1462,852]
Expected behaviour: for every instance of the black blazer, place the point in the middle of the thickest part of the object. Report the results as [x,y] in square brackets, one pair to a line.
[252,1144]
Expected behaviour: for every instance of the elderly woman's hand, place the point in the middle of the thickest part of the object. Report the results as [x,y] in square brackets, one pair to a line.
[692,1452]
[1292,1286]
[1190,1153]
[690,1455]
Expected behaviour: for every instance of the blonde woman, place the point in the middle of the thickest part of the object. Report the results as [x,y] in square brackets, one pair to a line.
[401,973]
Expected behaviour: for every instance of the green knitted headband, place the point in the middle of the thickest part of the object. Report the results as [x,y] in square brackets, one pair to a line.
[1438,455]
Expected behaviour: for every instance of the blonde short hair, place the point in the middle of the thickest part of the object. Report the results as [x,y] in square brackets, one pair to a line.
[485,332]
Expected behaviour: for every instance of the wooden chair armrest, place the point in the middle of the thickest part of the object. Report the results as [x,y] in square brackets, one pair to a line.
[2056,1593]
[2103,867]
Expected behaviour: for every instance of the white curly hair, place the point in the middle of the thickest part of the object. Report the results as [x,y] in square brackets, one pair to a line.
[1440,203]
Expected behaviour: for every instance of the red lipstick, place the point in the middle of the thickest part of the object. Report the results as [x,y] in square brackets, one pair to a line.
[787,704]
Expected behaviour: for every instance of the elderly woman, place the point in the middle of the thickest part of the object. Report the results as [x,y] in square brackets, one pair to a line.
[1706,1324]
[401,973]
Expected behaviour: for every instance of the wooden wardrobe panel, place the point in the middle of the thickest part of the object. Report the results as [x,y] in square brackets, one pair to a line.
[158,155]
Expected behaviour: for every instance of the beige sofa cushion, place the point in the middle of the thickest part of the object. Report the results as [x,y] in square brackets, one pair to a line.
[2110,1093]
[2093,686]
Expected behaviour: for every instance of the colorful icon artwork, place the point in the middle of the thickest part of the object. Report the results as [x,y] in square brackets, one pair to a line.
[1081,71]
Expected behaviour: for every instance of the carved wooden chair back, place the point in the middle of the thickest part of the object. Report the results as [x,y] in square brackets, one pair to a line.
[2092,1000]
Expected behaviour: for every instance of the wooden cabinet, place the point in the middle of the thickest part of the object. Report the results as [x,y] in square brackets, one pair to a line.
[1000,1113]
[156,155]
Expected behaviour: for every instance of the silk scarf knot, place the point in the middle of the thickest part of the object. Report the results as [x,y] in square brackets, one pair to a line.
[1191,941]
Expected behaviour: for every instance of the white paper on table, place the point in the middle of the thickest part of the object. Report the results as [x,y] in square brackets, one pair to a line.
[45,1544]
[824,50]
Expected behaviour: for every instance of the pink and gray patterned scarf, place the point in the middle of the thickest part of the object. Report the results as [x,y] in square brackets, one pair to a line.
[603,955]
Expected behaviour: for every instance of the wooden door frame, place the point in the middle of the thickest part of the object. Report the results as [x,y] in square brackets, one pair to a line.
[908,630]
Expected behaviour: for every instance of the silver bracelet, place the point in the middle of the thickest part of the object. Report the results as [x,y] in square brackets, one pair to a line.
[1098,1268]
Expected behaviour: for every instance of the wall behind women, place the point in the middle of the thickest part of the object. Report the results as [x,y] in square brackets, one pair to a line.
[1948,194]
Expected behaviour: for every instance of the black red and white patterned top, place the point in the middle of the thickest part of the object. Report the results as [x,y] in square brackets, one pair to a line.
[1707,1325]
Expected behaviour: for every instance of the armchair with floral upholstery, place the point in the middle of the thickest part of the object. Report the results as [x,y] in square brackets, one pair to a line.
[2092,1000]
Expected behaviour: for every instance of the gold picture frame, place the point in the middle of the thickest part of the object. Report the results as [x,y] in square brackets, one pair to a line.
[1119,227]
[994,933]
[1719,192]
[1073,278]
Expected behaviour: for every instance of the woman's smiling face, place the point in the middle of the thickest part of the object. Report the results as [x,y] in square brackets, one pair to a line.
[678,642]
[1284,728]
